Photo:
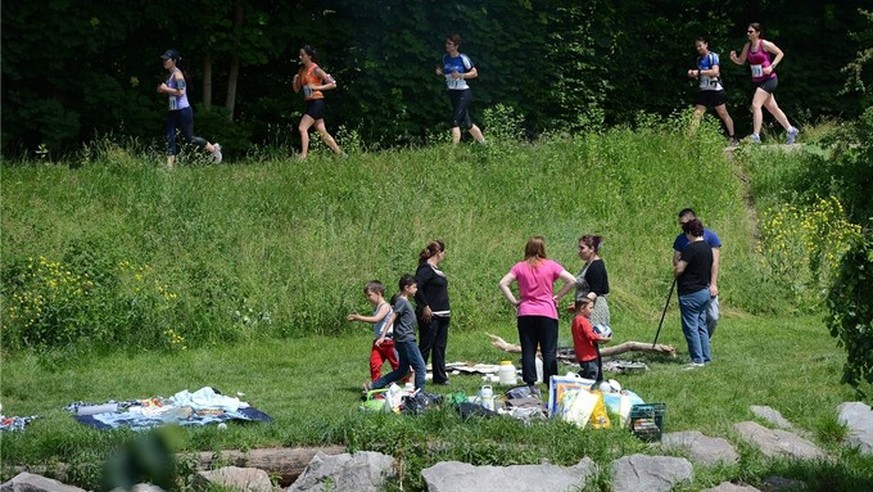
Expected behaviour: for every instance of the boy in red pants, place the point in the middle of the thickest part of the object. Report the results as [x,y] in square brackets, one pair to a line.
[381,315]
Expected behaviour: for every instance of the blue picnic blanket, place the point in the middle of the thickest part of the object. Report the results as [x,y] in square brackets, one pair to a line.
[135,421]
[203,407]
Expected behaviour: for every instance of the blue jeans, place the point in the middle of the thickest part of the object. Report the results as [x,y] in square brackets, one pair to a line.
[409,357]
[712,315]
[693,308]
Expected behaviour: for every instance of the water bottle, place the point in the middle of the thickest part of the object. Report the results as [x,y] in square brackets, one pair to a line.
[486,397]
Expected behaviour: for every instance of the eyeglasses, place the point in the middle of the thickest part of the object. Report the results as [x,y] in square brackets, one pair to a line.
[750,32]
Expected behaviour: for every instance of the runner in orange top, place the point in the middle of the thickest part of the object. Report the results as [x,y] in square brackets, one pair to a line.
[312,80]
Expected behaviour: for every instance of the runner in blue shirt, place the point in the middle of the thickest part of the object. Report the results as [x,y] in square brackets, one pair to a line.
[711,93]
[457,68]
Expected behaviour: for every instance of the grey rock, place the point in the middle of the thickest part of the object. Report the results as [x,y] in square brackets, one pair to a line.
[140,487]
[364,471]
[776,442]
[858,417]
[28,482]
[701,449]
[641,473]
[234,477]
[454,476]
[731,487]
[780,484]
[772,416]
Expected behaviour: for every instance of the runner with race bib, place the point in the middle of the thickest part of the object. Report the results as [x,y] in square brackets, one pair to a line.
[711,93]
[757,51]
[457,68]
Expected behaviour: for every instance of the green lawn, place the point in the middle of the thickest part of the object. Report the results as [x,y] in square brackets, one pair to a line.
[310,386]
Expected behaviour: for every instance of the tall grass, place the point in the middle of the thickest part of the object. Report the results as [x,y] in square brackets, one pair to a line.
[282,247]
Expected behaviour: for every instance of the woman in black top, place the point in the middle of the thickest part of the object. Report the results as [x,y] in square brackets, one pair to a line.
[592,281]
[693,274]
[432,308]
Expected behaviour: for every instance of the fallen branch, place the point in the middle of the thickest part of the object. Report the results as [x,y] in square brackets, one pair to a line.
[621,348]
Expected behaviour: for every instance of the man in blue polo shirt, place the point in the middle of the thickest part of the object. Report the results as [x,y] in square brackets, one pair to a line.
[714,242]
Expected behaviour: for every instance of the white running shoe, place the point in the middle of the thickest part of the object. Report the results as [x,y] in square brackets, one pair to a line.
[792,135]
[755,138]
[216,153]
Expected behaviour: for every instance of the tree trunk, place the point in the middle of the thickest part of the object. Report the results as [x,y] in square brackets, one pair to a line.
[207,80]
[233,74]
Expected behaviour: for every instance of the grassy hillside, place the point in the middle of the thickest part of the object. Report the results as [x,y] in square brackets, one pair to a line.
[279,247]
[271,254]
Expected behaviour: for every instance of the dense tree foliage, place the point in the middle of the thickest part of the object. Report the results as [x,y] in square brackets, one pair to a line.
[73,68]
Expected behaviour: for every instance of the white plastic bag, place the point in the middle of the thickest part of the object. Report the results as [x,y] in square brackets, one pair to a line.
[393,398]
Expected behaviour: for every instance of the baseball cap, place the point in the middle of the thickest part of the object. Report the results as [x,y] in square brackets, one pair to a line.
[171,53]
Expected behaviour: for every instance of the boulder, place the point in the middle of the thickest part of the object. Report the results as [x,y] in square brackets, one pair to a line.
[731,487]
[858,418]
[701,449]
[772,416]
[235,478]
[781,484]
[778,443]
[454,476]
[364,471]
[641,473]
[28,482]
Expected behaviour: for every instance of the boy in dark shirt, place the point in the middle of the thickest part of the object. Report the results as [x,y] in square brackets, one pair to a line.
[404,339]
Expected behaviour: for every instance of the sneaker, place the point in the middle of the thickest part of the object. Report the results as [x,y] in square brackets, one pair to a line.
[694,365]
[216,153]
[734,141]
[755,138]
[792,135]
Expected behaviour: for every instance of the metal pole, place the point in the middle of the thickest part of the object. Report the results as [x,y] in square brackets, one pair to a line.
[664,313]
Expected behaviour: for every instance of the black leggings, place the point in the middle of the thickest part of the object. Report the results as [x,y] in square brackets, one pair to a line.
[461,108]
[183,119]
[542,331]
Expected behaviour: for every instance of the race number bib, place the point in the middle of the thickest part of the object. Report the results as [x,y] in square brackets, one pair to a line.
[453,83]
[705,82]
[757,71]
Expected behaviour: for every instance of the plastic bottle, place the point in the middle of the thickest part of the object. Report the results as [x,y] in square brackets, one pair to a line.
[506,373]
[486,397]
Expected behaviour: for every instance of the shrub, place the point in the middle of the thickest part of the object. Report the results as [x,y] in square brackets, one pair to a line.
[89,301]
[850,312]
[801,247]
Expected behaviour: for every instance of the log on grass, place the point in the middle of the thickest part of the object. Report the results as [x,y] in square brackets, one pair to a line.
[288,463]
[621,348]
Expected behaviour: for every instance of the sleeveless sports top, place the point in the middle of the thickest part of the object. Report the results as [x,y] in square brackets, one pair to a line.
[759,59]
[377,327]
[176,102]
[308,77]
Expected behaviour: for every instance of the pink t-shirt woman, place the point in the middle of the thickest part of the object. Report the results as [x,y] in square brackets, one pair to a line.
[536,282]
[537,308]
